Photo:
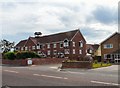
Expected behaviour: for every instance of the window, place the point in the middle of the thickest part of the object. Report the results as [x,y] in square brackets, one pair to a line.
[105,56]
[41,46]
[26,48]
[73,51]
[73,44]
[61,45]
[81,43]
[108,46]
[38,47]
[66,43]
[33,47]
[67,51]
[48,52]
[90,51]
[54,45]
[22,48]
[80,51]
[55,52]
[48,46]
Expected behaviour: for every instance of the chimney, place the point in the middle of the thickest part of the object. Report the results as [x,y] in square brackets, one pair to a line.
[37,34]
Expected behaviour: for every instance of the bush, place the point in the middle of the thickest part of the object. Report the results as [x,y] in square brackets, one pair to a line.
[26,54]
[9,55]
[20,55]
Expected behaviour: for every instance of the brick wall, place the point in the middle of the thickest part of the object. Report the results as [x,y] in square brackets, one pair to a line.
[36,61]
[80,64]
[15,62]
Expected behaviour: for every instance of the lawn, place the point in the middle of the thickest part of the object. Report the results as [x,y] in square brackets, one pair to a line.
[99,65]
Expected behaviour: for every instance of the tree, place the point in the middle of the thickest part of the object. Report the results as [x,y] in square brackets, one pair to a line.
[6,45]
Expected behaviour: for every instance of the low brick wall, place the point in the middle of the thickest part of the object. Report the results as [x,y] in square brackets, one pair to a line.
[40,61]
[80,64]
[35,61]
[15,62]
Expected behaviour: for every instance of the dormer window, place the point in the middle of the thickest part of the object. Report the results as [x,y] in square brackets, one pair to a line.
[66,43]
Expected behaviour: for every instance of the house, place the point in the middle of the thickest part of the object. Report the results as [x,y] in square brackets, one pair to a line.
[69,44]
[110,48]
[94,50]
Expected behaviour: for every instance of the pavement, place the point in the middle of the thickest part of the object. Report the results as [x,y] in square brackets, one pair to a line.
[51,75]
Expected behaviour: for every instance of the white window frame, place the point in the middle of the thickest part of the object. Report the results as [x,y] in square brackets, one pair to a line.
[48,45]
[48,52]
[26,48]
[61,44]
[66,44]
[73,51]
[67,51]
[106,46]
[22,48]
[54,45]
[80,51]
[105,56]
[81,43]
[73,44]
[38,46]
[33,47]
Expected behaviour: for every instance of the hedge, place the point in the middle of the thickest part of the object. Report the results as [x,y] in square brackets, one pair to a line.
[10,55]
[24,55]
[21,55]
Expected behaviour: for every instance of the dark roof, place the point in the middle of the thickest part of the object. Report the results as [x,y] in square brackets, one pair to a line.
[57,37]
[95,46]
[116,33]
[51,38]
[21,43]
[89,46]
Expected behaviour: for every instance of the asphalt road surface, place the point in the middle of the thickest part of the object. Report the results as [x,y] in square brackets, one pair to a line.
[50,75]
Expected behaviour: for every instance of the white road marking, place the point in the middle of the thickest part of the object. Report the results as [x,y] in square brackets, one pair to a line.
[51,76]
[105,83]
[72,72]
[11,71]
[54,67]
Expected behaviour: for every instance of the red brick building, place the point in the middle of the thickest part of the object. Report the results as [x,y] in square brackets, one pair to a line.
[69,44]
[110,48]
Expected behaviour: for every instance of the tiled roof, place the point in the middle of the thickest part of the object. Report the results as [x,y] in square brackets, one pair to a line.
[50,38]
[95,46]
[116,33]
[57,37]
[21,43]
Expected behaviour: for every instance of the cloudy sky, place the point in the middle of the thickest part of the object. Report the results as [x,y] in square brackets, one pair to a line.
[96,19]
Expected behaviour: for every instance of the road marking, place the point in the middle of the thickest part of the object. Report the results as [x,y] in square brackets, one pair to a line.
[54,67]
[72,72]
[105,83]
[11,71]
[51,76]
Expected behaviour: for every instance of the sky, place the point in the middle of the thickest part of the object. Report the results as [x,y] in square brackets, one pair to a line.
[96,19]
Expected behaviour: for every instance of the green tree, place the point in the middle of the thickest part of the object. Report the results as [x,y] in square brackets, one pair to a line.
[6,45]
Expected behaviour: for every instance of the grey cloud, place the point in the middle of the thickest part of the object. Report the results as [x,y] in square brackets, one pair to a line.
[105,15]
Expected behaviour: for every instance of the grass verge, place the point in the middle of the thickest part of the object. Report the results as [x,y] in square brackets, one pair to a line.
[99,65]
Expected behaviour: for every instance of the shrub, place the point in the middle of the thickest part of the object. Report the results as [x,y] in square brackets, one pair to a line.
[9,55]
[95,61]
[26,54]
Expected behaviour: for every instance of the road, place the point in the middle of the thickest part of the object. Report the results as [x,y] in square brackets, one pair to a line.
[50,75]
